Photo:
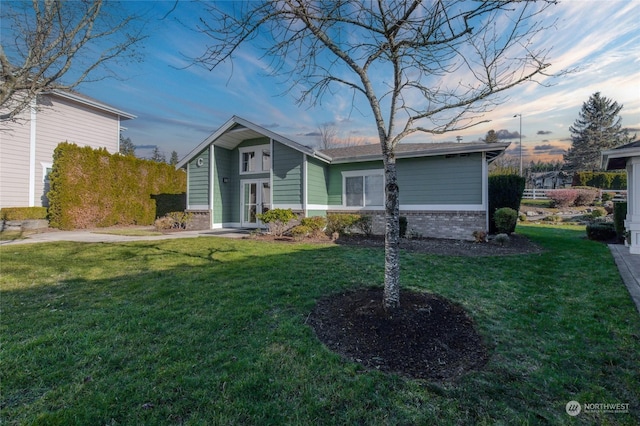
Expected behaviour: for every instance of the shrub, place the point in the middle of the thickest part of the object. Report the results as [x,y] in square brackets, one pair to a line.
[23,213]
[607,196]
[504,191]
[404,223]
[277,220]
[164,223]
[363,224]
[562,197]
[480,236]
[596,213]
[315,223]
[173,220]
[554,218]
[585,196]
[301,231]
[601,231]
[342,223]
[505,219]
[619,216]
[502,239]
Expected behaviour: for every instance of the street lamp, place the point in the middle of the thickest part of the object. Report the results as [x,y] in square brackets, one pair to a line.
[520,133]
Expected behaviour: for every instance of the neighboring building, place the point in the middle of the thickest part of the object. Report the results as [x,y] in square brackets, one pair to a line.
[627,157]
[27,143]
[550,180]
[243,169]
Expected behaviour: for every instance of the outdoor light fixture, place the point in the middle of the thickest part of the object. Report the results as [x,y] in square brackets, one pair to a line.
[520,133]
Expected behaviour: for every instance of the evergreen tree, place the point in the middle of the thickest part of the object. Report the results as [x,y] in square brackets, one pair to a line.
[174,158]
[492,137]
[598,127]
[158,156]
[127,147]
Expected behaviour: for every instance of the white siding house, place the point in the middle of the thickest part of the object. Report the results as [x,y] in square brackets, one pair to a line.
[27,143]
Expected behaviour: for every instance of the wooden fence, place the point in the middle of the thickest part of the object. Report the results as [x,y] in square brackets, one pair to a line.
[541,194]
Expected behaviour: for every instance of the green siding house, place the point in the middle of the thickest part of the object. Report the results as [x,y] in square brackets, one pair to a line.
[242,170]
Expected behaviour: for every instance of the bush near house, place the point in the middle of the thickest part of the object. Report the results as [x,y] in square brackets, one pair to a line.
[619,216]
[601,231]
[277,220]
[92,188]
[23,213]
[505,219]
[505,190]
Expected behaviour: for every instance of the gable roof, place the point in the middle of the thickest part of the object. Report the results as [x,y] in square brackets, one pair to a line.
[361,153]
[616,158]
[237,129]
[89,101]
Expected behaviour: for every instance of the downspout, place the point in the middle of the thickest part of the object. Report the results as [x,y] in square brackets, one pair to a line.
[211,185]
[32,152]
[485,189]
[305,184]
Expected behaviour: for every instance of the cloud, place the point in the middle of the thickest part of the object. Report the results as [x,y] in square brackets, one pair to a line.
[146,146]
[505,134]
[544,132]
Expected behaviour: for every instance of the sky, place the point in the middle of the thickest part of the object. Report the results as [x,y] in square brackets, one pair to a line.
[178,105]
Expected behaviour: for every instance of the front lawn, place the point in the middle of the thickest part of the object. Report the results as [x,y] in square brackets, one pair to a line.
[214,331]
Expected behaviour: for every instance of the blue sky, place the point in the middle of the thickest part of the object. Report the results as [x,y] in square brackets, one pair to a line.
[178,105]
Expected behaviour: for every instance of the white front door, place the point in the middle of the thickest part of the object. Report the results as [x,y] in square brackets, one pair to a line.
[255,195]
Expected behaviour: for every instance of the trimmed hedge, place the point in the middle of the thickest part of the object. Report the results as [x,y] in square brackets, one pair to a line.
[23,213]
[504,191]
[602,180]
[619,216]
[92,188]
[601,231]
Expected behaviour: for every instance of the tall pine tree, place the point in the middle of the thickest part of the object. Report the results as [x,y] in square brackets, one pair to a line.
[598,127]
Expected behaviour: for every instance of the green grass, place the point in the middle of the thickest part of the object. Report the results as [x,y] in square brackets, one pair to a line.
[212,331]
[126,232]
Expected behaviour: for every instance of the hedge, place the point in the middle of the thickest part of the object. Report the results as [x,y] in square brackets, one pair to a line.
[92,188]
[504,191]
[23,213]
[601,180]
[619,216]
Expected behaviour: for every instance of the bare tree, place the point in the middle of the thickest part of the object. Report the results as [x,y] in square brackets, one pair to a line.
[328,133]
[50,45]
[431,67]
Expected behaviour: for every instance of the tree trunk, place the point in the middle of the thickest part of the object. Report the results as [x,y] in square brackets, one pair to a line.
[391,299]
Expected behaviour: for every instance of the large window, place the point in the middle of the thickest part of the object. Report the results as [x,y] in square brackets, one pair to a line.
[363,188]
[255,159]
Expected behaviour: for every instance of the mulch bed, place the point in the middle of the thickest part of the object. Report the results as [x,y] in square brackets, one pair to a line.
[429,337]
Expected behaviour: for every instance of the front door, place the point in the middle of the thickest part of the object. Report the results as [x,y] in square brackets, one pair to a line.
[256,198]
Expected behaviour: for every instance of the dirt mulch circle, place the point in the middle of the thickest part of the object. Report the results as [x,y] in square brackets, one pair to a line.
[429,337]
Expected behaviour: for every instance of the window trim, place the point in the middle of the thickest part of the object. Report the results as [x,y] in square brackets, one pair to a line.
[362,174]
[258,158]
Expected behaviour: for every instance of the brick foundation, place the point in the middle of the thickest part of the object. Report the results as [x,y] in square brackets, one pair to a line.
[201,220]
[454,225]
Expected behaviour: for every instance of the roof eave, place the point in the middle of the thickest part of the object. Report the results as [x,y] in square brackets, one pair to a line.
[90,102]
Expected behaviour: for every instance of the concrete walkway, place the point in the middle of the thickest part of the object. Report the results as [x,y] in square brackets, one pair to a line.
[629,267]
[95,236]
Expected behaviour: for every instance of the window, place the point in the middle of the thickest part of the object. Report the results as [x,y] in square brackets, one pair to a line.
[255,159]
[364,189]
